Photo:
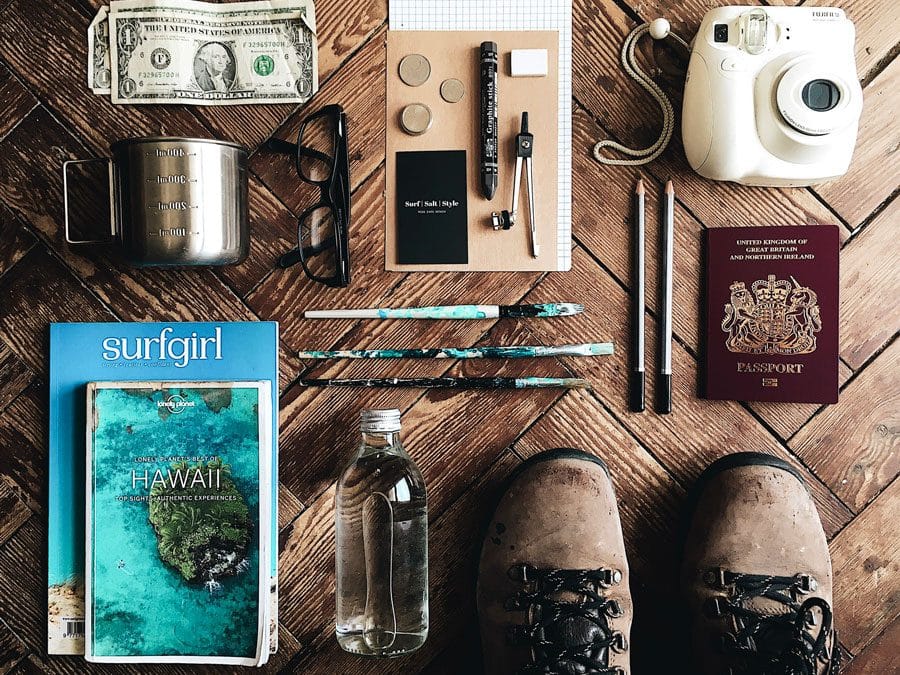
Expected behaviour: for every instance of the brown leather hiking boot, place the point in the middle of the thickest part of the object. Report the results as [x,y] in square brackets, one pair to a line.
[757,573]
[553,579]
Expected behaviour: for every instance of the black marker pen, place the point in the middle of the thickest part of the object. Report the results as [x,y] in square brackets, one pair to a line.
[488,119]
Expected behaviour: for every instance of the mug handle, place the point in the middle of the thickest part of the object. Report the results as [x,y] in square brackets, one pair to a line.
[112,215]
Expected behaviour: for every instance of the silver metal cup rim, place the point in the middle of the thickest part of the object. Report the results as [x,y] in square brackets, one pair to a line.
[145,140]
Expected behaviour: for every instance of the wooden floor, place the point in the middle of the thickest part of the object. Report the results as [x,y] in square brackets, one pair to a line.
[465,443]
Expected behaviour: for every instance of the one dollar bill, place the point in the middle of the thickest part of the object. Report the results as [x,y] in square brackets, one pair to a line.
[186,52]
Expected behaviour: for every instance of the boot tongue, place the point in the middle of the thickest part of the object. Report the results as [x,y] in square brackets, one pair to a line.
[574,632]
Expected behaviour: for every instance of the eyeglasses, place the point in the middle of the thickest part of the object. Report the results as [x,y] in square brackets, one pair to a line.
[323,230]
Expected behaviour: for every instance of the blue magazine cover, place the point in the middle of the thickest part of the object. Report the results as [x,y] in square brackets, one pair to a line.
[86,352]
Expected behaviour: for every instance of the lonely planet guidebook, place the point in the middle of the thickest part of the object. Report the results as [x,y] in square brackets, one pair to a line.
[88,352]
[177,516]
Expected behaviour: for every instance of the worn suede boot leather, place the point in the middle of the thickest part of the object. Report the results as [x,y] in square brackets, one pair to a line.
[757,573]
[553,593]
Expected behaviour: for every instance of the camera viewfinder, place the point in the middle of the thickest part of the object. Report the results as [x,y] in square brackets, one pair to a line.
[720,32]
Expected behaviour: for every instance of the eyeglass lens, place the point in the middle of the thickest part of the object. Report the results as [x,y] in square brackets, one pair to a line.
[316,233]
[318,141]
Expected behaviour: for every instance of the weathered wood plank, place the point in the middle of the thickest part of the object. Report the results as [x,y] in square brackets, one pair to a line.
[76,665]
[650,504]
[285,294]
[23,589]
[854,446]
[273,231]
[15,101]
[874,173]
[866,560]
[870,286]
[14,375]
[697,431]
[23,439]
[13,514]
[881,656]
[343,27]
[39,291]
[12,649]
[306,570]
[787,418]
[289,507]
[15,239]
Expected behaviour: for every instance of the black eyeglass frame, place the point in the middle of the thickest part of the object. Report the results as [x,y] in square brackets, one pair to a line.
[334,195]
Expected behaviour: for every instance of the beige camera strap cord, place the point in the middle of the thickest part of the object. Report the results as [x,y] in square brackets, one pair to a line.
[658,29]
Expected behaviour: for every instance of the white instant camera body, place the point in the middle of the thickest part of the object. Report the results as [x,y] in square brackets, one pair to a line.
[772,97]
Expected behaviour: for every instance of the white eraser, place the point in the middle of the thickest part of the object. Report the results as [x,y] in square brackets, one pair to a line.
[528,62]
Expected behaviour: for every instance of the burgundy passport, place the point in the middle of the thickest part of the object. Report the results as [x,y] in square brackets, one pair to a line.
[772,313]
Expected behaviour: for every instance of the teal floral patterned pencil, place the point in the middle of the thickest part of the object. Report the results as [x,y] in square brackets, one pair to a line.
[510,352]
[539,311]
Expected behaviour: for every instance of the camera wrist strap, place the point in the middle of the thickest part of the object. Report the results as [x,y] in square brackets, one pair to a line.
[658,29]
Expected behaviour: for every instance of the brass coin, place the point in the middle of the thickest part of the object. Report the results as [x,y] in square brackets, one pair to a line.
[452,90]
[415,70]
[415,119]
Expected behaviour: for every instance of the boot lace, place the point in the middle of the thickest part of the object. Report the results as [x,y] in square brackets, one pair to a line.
[774,642]
[566,637]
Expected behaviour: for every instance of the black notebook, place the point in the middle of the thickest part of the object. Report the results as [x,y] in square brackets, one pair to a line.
[432,218]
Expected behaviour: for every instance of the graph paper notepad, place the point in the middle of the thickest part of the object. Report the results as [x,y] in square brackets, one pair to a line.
[512,15]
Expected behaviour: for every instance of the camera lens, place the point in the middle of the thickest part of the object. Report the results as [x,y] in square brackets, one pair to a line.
[720,32]
[820,95]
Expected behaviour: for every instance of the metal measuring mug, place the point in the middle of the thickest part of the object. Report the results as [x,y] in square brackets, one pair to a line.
[174,201]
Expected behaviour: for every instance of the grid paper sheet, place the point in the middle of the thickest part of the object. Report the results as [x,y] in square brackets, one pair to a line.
[511,15]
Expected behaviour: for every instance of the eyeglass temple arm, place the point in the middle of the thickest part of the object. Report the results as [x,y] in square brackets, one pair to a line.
[280,145]
[294,256]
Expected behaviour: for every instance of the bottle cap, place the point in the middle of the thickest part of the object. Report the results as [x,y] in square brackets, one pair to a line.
[380,421]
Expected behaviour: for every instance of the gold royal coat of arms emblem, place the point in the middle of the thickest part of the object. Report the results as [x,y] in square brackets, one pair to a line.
[777,317]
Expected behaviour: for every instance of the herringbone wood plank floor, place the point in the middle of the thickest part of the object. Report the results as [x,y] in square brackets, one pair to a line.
[465,443]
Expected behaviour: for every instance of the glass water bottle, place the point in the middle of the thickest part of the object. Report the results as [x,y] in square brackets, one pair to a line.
[381,545]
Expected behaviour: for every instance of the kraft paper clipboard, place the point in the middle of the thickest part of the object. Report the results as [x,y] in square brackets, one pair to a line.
[456,126]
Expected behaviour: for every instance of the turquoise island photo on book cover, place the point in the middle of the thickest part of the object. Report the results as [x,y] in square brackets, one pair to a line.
[173,553]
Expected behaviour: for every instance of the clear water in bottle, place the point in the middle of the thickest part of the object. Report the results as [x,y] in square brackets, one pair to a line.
[381,545]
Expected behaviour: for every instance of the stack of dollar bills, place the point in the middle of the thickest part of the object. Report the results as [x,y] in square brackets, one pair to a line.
[181,51]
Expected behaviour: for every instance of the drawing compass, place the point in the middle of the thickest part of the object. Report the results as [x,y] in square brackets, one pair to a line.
[504,220]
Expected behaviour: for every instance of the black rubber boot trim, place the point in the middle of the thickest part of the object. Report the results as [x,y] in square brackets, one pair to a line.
[726,463]
[557,453]
[739,459]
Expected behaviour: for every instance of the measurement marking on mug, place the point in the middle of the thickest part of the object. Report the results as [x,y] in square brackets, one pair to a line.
[172,206]
[173,232]
[174,178]
[169,152]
